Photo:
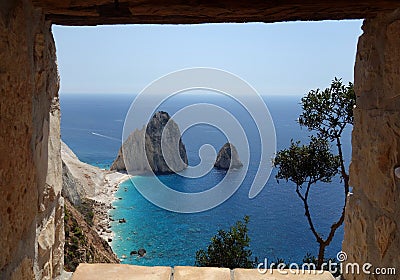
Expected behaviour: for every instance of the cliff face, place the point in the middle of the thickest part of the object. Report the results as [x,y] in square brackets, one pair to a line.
[82,243]
[88,195]
[145,149]
[226,155]
[80,178]
[70,186]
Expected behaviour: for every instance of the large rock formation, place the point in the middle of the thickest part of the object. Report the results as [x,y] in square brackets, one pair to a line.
[227,155]
[146,150]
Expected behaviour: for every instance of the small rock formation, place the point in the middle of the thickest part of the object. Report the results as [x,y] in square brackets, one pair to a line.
[143,152]
[226,155]
[141,252]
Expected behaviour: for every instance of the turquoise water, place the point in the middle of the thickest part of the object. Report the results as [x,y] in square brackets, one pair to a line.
[277,228]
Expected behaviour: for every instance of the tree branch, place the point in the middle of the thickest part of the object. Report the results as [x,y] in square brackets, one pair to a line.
[345,177]
[334,227]
[307,213]
[343,172]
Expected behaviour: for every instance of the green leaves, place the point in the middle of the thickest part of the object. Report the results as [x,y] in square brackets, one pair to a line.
[329,111]
[307,163]
[228,248]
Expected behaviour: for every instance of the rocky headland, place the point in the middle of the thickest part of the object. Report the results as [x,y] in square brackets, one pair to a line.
[146,150]
[228,157]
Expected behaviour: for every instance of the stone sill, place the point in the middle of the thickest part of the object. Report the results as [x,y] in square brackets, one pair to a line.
[133,272]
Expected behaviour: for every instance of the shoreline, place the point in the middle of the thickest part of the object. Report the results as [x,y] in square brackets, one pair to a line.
[103,200]
[86,181]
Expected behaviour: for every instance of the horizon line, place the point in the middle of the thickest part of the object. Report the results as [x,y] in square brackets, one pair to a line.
[195,93]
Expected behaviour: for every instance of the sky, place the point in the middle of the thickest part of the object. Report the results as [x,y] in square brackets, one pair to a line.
[280,58]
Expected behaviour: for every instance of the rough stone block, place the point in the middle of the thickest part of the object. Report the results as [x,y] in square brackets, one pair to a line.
[254,274]
[200,273]
[120,272]
[371,231]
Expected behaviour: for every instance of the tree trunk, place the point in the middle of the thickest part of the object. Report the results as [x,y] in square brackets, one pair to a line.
[321,255]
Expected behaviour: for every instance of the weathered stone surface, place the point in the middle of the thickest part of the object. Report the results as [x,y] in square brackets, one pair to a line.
[91,12]
[24,270]
[70,186]
[200,273]
[377,64]
[228,157]
[254,274]
[46,236]
[384,233]
[158,147]
[371,231]
[50,226]
[80,180]
[58,247]
[124,272]
[376,142]
[30,180]
[133,272]
[359,221]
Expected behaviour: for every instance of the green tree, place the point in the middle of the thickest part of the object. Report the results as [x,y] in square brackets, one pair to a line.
[228,248]
[326,113]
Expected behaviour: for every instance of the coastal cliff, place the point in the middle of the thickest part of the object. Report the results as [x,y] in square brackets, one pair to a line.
[145,150]
[228,157]
[82,243]
[88,193]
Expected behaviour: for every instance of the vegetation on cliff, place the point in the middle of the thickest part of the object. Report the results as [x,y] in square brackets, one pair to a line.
[82,242]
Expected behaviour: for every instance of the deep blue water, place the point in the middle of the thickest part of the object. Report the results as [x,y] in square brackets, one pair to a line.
[278,227]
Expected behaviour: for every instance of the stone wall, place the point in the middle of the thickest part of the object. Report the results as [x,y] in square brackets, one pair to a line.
[373,214]
[31,206]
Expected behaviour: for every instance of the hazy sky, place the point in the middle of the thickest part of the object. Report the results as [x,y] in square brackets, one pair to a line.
[279,58]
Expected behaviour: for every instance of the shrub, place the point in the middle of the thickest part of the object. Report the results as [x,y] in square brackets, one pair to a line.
[228,248]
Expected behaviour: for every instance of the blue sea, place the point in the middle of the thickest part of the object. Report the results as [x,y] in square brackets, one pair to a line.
[92,127]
